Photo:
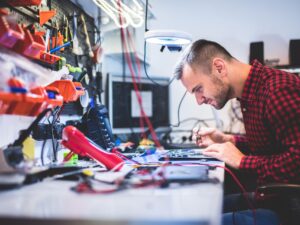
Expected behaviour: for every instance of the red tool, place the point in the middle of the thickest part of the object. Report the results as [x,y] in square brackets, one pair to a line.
[74,140]
[24,2]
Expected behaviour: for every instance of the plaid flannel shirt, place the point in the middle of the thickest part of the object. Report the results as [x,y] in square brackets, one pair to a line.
[270,105]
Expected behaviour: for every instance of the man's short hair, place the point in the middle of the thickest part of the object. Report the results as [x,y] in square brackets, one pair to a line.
[200,54]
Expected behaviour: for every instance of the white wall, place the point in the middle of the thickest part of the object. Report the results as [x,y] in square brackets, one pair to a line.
[232,23]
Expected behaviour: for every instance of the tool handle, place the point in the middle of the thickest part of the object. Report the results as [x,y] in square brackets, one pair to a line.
[78,143]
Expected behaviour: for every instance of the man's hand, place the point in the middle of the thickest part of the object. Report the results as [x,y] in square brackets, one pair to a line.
[225,152]
[207,136]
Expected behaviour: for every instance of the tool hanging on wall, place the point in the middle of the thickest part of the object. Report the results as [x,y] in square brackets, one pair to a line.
[65,29]
[75,49]
[81,39]
[86,37]
[98,51]
[57,39]
[45,16]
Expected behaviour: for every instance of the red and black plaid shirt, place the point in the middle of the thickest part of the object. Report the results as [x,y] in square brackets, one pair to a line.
[270,105]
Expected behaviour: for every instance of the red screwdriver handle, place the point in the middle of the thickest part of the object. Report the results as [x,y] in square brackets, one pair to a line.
[78,143]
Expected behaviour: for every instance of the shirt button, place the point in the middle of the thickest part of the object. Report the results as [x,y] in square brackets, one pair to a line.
[244,109]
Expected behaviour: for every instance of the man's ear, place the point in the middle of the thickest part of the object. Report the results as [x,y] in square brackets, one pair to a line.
[219,66]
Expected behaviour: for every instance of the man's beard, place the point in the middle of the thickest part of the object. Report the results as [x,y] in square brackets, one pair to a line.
[223,92]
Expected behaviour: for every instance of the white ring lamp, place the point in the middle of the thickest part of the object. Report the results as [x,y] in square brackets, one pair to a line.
[168,37]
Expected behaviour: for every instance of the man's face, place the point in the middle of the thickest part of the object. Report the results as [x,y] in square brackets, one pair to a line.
[208,89]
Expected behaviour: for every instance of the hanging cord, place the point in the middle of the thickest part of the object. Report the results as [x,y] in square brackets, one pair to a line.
[42,152]
[146,16]
[145,52]
[27,132]
[178,111]
[139,98]
[124,48]
[146,72]
[138,64]
[55,119]
[53,114]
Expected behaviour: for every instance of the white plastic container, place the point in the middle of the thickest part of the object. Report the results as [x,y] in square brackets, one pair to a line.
[17,66]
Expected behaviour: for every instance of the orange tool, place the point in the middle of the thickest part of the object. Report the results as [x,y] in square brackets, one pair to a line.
[69,90]
[46,15]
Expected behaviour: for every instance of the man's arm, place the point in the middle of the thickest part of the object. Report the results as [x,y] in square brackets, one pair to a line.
[241,143]
[283,116]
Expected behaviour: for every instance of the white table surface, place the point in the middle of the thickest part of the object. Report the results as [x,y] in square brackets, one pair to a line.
[197,203]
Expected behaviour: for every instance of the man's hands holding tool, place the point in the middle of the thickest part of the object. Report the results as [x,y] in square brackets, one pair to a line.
[218,145]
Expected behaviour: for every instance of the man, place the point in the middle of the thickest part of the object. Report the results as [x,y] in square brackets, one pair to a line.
[270,102]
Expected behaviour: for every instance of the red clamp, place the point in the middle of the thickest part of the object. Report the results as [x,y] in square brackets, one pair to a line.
[75,140]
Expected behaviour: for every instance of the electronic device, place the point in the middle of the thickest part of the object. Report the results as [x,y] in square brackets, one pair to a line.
[123,107]
[185,173]
[45,131]
[94,124]
[185,155]
[78,143]
[97,126]
[257,52]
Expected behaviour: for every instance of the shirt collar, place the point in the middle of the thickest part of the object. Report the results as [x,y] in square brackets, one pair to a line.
[253,81]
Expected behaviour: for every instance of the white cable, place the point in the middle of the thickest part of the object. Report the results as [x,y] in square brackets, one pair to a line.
[121,12]
[109,10]
[139,17]
[140,8]
[114,11]
[117,13]
[130,14]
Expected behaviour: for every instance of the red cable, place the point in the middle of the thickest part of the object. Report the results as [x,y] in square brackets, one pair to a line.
[137,62]
[129,62]
[154,136]
[141,121]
